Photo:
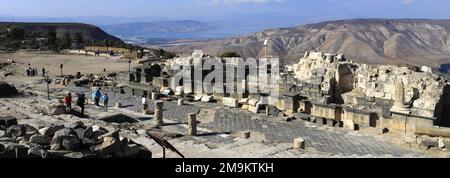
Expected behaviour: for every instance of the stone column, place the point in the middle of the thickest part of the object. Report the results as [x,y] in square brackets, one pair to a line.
[299,143]
[246,134]
[159,113]
[192,123]
[118,105]
[399,104]
[154,96]
[180,101]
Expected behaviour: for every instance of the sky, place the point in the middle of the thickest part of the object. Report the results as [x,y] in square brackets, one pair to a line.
[436,9]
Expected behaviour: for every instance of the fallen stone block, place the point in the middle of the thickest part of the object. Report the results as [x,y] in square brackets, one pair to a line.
[38,152]
[230,102]
[299,143]
[144,153]
[55,110]
[6,122]
[40,139]
[198,97]
[207,98]
[441,143]
[70,143]
[50,131]
[94,132]
[131,150]
[75,155]
[7,90]
[109,145]
[77,125]
[114,134]
[64,139]
[15,131]
[427,144]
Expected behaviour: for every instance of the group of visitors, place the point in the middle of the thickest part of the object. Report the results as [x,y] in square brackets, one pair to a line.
[32,72]
[81,101]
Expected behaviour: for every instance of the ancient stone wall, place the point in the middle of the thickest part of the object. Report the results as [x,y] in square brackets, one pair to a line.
[373,87]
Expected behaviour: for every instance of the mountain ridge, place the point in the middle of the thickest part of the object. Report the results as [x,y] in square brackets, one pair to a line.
[378,41]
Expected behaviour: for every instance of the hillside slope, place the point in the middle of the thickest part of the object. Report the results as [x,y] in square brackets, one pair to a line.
[90,32]
[414,41]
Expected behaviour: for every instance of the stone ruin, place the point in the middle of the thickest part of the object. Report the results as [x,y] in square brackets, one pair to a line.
[58,141]
[323,88]
[362,95]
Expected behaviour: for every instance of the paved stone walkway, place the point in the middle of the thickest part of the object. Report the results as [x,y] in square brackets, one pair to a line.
[321,140]
[274,131]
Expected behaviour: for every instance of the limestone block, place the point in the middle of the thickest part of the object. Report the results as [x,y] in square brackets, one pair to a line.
[230,102]
[198,97]
[299,143]
[349,125]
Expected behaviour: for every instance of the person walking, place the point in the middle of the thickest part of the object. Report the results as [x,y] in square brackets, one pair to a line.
[97,95]
[68,102]
[43,71]
[145,103]
[81,101]
[105,100]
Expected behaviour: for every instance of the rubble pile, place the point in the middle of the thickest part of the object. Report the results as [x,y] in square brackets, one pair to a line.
[349,82]
[58,141]
[95,80]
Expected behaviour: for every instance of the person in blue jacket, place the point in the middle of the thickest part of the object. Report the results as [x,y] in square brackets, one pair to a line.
[105,100]
[97,95]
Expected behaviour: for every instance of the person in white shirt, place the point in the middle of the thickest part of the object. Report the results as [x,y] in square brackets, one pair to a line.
[145,103]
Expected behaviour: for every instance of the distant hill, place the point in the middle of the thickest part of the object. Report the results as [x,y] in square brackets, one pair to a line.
[18,35]
[155,29]
[87,31]
[378,41]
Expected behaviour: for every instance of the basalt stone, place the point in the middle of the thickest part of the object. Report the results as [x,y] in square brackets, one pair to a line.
[65,139]
[15,131]
[7,90]
[38,152]
[94,132]
[70,143]
[40,139]
[77,155]
[50,131]
[6,122]
[144,153]
[427,144]
[131,150]
[77,125]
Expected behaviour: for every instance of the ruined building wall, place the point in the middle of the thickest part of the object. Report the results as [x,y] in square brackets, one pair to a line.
[372,87]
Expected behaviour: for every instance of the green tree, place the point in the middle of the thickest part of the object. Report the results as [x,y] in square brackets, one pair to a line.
[229,54]
[51,40]
[79,40]
[17,34]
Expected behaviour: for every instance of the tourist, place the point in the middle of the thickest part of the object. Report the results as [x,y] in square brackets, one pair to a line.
[80,102]
[68,102]
[28,72]
[145,103]
[105,100]
[97,95]
[43,72]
